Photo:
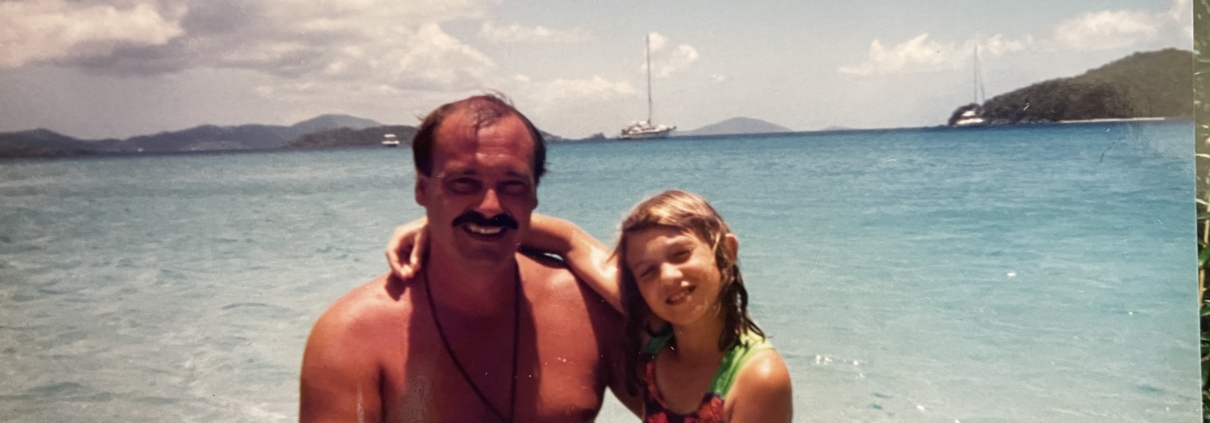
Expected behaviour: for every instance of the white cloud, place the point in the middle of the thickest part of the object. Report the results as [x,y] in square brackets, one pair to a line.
[679,60]
[309,45]
[1100,30]
[1107,30]
[1182,13]
[436,57]
[996,45]
[920,54]
[915,55]
[664,64]
[378,43]
[1113,29]
[361,15]
[657,41]
[596,88]
[48,30]
[539,34]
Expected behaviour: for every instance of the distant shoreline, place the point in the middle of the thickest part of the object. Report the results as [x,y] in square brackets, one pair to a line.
[406,146]
[1138,119]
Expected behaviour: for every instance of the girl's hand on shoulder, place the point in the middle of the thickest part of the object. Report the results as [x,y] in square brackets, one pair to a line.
[406,249]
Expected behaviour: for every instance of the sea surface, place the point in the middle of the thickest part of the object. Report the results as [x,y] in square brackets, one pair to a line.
[1001,274]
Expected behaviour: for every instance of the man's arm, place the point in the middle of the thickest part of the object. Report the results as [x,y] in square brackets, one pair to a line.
[588,258]
[339,377]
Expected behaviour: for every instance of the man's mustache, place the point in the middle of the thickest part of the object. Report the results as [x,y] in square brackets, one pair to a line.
[477,218]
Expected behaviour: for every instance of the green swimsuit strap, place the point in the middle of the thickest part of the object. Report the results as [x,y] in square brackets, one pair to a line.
[658,340]
[749,344]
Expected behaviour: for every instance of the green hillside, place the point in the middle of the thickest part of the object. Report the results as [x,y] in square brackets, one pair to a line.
[346,137]
[1142,85]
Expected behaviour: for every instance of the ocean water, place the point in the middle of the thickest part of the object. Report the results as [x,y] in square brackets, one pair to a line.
[1041,273]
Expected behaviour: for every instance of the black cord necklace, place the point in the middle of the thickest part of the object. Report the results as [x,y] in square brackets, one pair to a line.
[512,396]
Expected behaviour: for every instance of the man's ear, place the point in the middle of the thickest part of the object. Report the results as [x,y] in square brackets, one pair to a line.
[731,247]
[421,189]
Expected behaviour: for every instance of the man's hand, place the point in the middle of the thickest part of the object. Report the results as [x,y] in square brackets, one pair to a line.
[406,248]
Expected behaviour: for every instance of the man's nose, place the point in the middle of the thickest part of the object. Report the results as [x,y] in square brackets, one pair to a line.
[490,204]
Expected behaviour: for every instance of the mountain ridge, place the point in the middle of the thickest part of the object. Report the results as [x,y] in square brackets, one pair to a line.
[736,126]
[207,137]
[323,131]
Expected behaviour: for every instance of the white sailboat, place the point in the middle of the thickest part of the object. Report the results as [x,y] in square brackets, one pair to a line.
[973,115]
[644,129]
[389,140]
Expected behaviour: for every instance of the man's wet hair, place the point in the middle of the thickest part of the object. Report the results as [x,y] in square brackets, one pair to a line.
[487,109]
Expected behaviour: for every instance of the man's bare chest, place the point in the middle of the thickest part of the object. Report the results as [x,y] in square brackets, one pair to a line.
[558,374]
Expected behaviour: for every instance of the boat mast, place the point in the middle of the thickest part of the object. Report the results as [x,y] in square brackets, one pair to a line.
[977,81]
[649,78]
[975,75]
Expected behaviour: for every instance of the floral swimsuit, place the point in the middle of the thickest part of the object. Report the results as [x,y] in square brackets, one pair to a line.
[711,408]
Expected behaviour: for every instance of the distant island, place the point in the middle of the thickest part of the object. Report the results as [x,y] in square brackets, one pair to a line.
[349,137]
[1155,84]
[321,132]
[735,126]
[46,143]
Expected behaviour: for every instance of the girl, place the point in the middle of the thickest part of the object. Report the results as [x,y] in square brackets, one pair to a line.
[675,263]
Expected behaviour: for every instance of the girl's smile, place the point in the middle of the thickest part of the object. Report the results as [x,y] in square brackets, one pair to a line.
[676,273]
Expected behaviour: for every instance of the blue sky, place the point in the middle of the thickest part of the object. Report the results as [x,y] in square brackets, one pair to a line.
[118,68]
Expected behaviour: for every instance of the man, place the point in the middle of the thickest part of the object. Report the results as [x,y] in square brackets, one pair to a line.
[481,333]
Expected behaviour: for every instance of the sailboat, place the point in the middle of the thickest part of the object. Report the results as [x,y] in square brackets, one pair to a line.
[972,116]
[644,129]
[389,140]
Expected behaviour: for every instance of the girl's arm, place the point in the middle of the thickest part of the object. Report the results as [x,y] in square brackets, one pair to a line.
[587,257]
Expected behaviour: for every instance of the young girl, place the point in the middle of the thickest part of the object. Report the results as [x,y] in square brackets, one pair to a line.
[675,264]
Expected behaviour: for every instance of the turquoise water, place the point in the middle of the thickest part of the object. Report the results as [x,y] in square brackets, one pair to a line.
[924,275]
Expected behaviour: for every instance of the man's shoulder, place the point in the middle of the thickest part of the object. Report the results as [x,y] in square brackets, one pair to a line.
[553,283]
[348,348]
[544,269]
[383,300]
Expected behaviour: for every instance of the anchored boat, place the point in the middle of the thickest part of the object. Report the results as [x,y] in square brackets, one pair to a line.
[645,129]
[389,140]
[973,114]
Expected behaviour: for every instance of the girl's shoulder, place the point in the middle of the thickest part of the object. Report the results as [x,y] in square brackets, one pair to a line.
[764,369]
[762,389]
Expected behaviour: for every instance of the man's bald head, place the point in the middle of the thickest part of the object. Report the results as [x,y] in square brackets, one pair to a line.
[486,110]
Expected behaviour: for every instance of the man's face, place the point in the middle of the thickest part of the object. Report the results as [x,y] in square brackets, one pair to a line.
[481,192]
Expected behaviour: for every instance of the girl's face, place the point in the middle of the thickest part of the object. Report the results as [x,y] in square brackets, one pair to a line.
[676,273]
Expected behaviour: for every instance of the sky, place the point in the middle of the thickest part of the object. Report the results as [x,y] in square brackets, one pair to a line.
[118,68]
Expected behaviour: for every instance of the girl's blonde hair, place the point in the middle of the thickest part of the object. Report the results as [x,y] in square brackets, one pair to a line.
[691,214]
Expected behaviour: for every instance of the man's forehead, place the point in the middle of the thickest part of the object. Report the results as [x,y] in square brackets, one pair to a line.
[461,134]
[464,128]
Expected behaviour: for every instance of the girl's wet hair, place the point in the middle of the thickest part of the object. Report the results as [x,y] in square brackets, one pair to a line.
[691,214]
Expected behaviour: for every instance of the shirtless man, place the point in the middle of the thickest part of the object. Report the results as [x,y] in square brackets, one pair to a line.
[481,333]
